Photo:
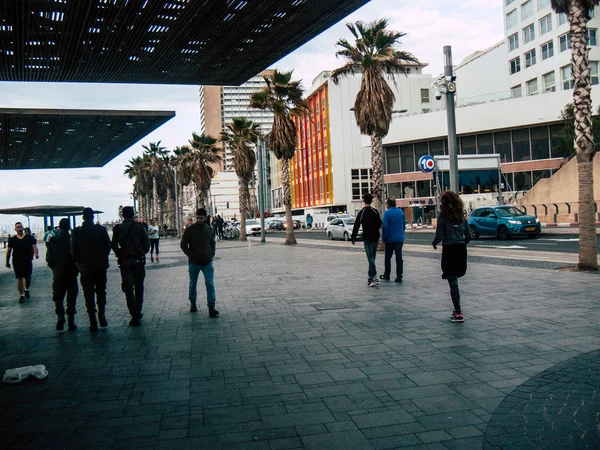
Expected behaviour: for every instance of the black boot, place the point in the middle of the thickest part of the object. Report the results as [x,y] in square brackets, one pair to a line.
[60,324]
[93,323]
[72,326]
[102,317]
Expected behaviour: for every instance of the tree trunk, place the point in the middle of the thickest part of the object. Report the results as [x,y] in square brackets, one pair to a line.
[377,176]
[290,236]
[161,215]
[584,139]
[243,198]
[181,215]
[154,200]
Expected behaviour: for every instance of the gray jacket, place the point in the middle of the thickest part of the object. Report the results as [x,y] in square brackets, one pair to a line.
[448,233]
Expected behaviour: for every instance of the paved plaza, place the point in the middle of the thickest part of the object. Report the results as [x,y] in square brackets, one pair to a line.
[305,356]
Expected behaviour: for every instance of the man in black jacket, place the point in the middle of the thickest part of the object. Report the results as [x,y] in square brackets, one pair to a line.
[65,272]
[198,243]
[130,243]
[90,246]
[370,220]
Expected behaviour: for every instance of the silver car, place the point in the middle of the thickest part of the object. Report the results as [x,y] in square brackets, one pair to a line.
[341,228]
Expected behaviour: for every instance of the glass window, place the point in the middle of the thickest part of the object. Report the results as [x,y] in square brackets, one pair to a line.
[407,158]
[513,42]
[515,91]
[408,189]
[527,9]
[564,42]
[521,150]
[566,77]
[485,144]
[528,34]
[509,2]
[594,72]
[543,4]
[546,24]
[392,159]
[591,36]
[592,13]
[532,87]
[503,147]
[361,183]
[515,65]
[424,188]
[468,145]
[522,181]
[436,147]
[547,50]
[421,149]
[549,82]
[562,19]
[424,95]
[540,145]
[511,19]
[530,58]
[561,146]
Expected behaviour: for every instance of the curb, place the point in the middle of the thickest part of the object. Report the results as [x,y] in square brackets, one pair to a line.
[564,225]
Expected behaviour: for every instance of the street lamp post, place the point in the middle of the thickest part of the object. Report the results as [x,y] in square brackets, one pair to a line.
[451,117]
[261,187]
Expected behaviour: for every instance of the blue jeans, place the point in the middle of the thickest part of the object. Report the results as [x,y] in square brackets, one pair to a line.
[390,248]
[371,251]
[209,279]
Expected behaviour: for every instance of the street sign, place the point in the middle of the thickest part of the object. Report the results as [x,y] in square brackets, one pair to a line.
[426,163]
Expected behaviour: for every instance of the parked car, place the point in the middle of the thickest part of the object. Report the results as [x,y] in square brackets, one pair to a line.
[276,225]
[297,225]
[253,227]
[503,221]
[341,229]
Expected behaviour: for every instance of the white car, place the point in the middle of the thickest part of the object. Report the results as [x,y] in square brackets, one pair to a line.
[253,227]
[341,228]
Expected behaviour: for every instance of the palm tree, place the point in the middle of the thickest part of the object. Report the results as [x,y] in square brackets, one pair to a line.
[578,13]
[156,155]
[238,136]
[142,186]
[183,161]
[205,152]
[166,191]
[283,97]
[374,54]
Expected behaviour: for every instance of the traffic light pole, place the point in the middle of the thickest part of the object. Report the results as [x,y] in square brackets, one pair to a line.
[451,116]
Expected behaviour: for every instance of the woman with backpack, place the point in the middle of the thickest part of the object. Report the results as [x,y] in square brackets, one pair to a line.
[454,234]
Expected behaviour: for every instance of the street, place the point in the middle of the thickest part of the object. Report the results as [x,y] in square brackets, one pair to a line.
[546,242]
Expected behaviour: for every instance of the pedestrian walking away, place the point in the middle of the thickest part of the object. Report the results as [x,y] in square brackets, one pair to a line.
[198,243]
[23,248]
[454,234]
[309,222]
[154,240]
[165,228]
[91,246]
[130,243]
[49,234]
[392,234]
[220,227]
[370,220]
[64,280]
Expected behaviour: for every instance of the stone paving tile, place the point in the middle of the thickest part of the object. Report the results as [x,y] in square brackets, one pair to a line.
[304,355]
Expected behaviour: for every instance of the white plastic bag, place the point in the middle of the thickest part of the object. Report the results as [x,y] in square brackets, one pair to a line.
[19,374]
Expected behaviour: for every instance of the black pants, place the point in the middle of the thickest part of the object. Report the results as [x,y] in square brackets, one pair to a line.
[132,284]
[65,284]
[93,282]
[390,249]
[154,246]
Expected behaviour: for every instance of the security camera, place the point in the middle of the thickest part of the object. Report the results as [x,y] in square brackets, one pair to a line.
[438,95]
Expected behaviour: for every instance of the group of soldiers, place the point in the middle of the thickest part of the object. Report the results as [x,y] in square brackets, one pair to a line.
[85,252]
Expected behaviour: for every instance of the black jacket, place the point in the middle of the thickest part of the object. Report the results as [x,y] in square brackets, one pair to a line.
[90,246]
[198,243]
[59,256]
[130,241]
[370,220]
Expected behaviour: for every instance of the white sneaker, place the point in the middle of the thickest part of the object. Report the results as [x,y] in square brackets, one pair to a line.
[374,283]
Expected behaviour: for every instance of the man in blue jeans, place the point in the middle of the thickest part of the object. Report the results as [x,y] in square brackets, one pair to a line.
[392,234]
[198,243]
[370,220]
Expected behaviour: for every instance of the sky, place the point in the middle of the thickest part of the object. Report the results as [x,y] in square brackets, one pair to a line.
[466,25]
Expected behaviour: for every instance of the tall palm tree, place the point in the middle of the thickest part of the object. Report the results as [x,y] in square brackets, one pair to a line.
[374,54]
[142,186]
[166,191]
[578,13]
[156,155]
[238,136]
[284,98]
[183,161]
[205,152]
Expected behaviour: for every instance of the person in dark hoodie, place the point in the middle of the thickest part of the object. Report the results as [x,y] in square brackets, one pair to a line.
[130,243]
[198,243]
[65,272]
[370,220]
[91,246]
[453,232]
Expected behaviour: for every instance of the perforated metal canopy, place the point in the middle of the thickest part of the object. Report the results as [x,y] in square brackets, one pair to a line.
[221,42]
[46,210]
[59,139]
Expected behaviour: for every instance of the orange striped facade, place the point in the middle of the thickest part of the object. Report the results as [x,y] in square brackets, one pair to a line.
[310,170]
